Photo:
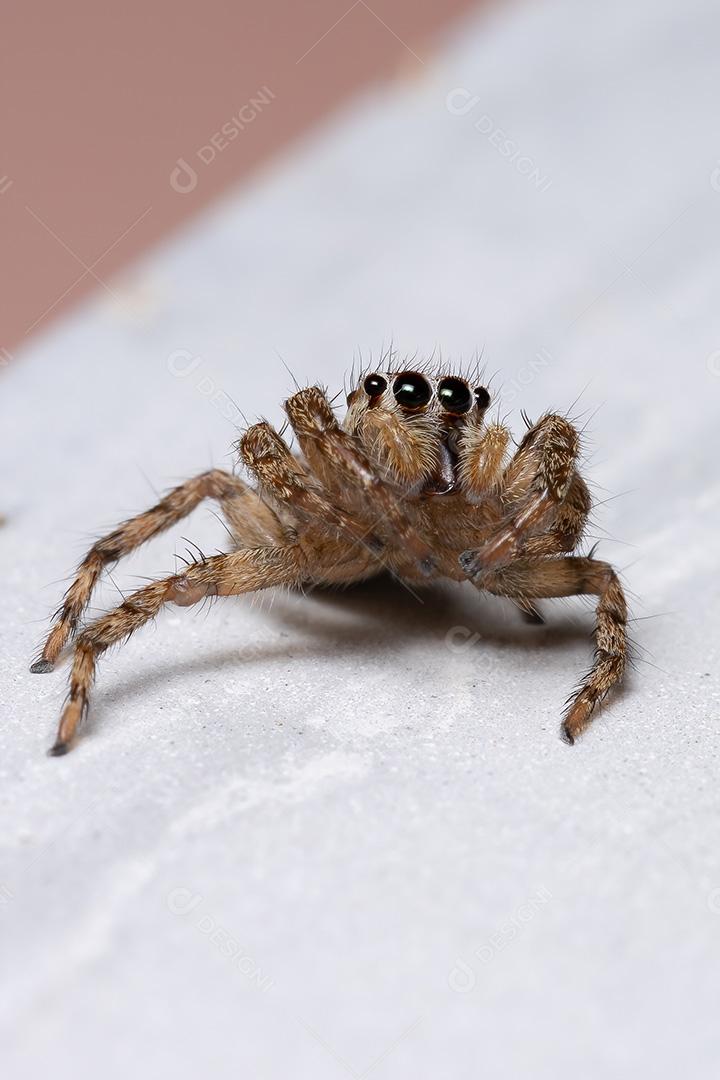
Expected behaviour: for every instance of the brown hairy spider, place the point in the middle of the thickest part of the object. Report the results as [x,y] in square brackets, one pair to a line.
[415,481]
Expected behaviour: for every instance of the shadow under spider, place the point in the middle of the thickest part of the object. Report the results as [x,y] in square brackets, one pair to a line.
[380,611]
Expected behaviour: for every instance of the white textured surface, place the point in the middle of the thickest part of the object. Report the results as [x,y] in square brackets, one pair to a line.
[391,830]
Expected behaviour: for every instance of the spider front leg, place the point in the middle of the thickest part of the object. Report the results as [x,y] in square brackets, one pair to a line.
[338,460]
[234,497]
[222,575]
[283,478]
[528,580]
[544,495]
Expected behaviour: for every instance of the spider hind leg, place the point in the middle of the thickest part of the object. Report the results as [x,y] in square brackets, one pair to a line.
[243,511]
[222,575]
[533,579]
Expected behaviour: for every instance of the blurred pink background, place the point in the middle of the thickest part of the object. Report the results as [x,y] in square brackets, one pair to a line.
[99,102]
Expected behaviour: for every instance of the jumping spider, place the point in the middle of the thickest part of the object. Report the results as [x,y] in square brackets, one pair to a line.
[415,481]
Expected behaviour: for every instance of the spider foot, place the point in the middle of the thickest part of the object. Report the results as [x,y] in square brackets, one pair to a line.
[58,749]
[577,718]
[42,666]
[567,736]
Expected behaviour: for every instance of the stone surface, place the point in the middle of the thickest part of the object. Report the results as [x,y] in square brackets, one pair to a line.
[367,794]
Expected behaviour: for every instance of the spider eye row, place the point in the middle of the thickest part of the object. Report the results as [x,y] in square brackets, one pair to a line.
[413,391]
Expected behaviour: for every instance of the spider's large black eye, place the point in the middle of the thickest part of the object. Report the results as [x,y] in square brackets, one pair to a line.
[375,385]
[411,390]
[482,397]
[454,395]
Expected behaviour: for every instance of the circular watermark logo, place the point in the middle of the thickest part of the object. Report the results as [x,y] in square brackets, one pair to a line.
[713,363]
[460,638]
[182,363]
[462,978]
[183,178]
[459,102]
[182,901]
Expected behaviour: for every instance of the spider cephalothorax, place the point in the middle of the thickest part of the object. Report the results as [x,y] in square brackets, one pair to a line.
[416,481]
